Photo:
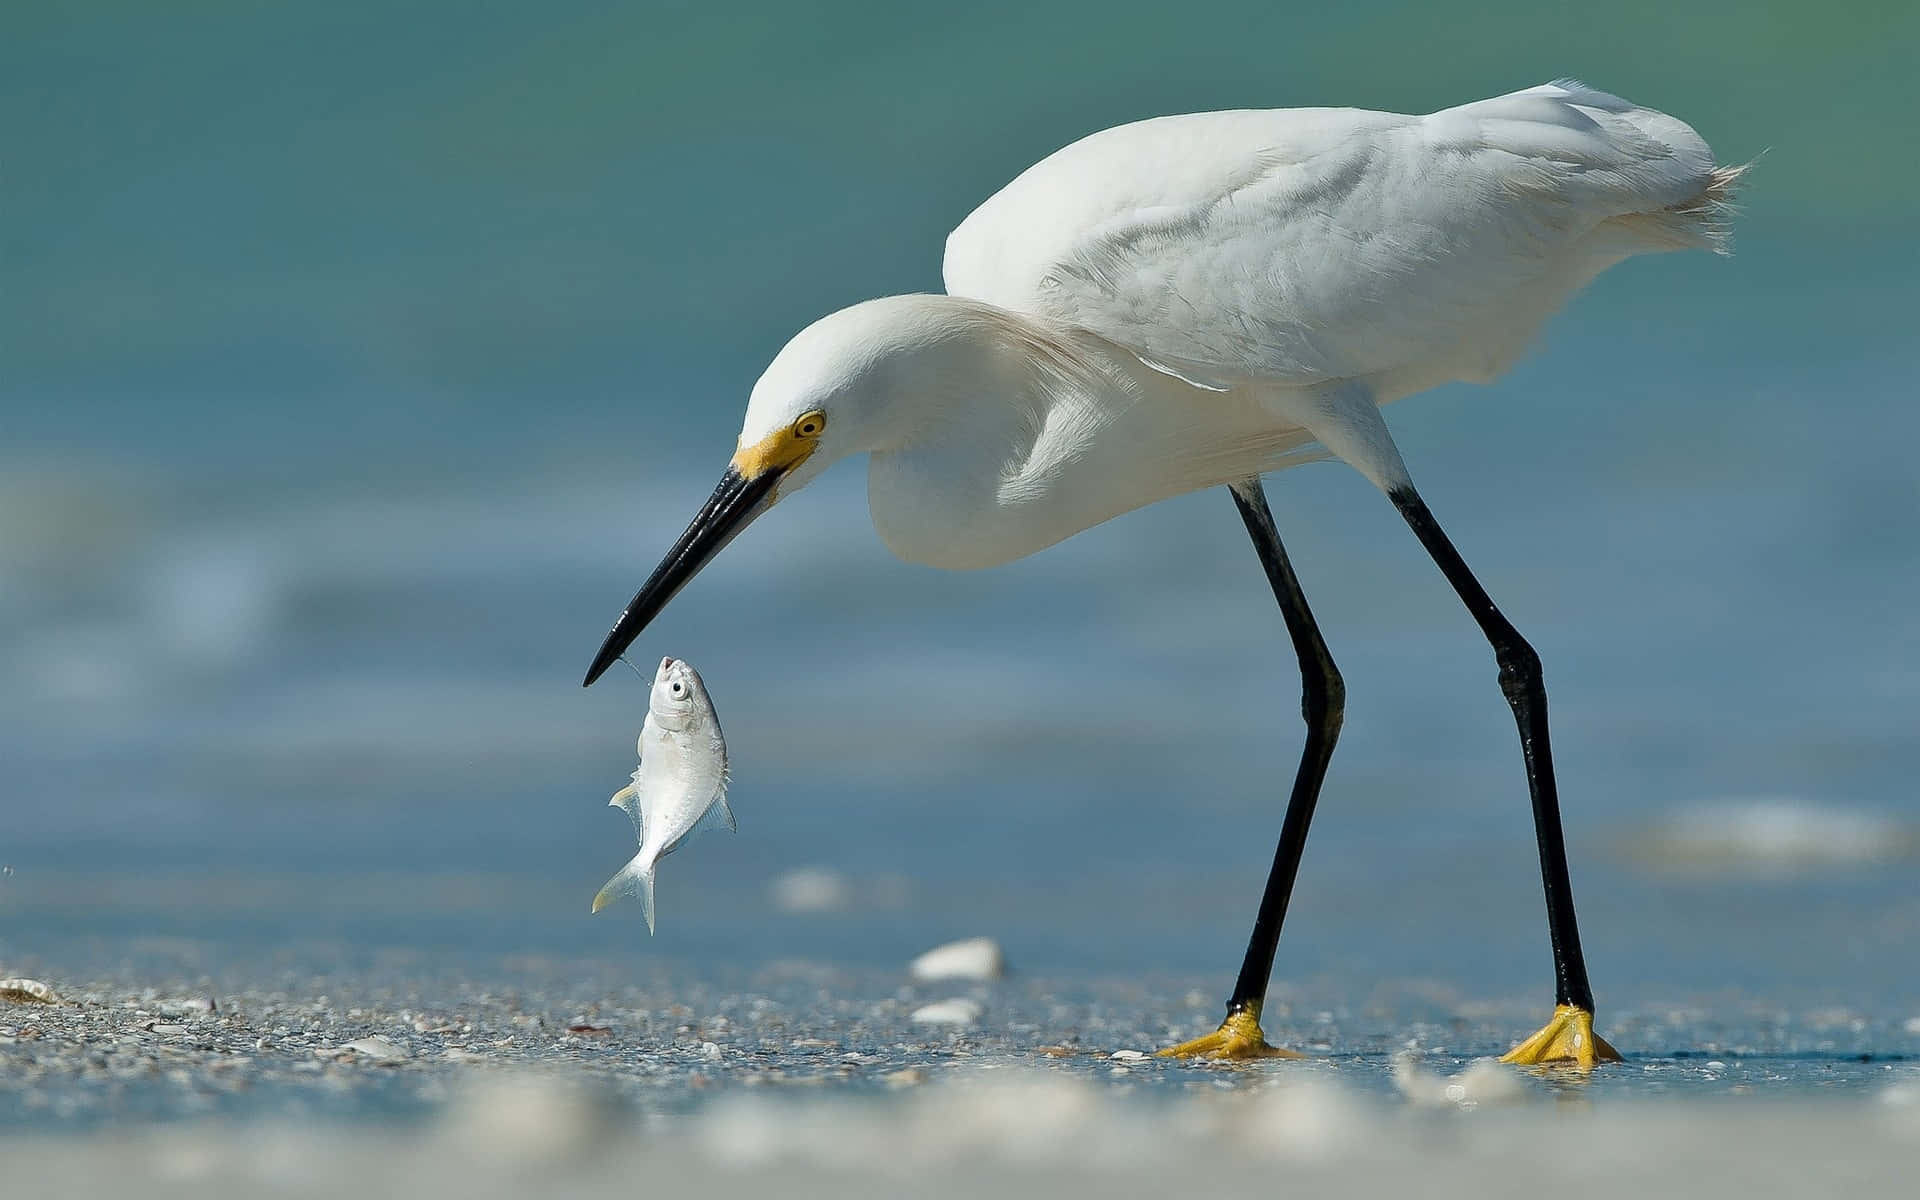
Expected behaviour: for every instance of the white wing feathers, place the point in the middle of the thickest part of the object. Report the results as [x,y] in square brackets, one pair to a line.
[1296,246]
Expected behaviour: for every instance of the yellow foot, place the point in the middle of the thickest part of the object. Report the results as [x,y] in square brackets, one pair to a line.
[1568,1038]
[1239,1036]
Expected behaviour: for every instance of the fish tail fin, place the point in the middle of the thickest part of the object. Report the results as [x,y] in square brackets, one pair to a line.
[636,879]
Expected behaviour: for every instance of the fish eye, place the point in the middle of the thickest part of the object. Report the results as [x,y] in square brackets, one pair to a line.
[679,688]
[810,424]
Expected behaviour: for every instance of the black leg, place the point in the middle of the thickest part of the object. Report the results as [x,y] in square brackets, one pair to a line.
[1526,694]
[1323,698]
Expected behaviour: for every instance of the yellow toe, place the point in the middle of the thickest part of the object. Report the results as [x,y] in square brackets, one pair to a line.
[1238,1037]
[1568,1038]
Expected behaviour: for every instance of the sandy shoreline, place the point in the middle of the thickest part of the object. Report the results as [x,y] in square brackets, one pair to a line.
[808,1079]
[1021,1133]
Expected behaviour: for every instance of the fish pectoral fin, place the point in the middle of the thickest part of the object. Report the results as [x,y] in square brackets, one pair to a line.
[627,799]
[634,879]
[717,816]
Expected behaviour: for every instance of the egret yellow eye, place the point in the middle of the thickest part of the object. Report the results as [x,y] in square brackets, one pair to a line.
[810,424]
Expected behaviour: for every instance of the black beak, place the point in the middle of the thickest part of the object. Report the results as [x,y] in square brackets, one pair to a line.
[731,508]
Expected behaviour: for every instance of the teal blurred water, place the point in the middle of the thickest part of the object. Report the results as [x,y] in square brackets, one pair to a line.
[356,361]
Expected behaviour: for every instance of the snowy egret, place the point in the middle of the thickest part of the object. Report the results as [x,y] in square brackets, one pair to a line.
[1198,300]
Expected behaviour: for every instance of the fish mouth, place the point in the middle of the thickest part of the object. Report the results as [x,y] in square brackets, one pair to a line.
[734,504]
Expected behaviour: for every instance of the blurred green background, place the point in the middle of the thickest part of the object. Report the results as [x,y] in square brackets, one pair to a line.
[355,221]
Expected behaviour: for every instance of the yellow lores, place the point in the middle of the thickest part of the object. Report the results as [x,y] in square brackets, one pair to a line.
[783,449]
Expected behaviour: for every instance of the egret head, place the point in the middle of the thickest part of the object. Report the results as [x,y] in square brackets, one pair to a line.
[848,383]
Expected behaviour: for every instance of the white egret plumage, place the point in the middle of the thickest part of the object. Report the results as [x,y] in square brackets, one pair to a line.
[1198,300]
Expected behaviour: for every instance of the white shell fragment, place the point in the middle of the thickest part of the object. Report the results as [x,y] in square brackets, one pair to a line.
[27,991]
[1772,836]
[1485,1081]
[527,1122]
[191,1006]
[376,1047]
[961,1010]
[811,890]
[970,958]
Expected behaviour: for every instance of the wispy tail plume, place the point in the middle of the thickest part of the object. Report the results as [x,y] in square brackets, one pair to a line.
[1711,213]
[1703,222]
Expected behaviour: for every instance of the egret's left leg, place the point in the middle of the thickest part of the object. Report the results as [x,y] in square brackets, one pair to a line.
[1322,704]
[1569,1037]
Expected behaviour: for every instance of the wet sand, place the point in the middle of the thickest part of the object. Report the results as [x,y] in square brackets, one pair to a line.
[807,1079]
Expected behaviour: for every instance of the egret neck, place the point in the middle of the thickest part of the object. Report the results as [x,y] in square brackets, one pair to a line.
[991,436]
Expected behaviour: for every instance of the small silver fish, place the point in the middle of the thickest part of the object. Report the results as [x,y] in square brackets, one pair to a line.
[680,785]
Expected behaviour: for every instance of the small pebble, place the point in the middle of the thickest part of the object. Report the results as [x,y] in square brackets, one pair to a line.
[971,958]
[908,1077]
[1127,1056]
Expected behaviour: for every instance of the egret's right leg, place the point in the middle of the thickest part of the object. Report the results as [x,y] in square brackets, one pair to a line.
[1323,698]
[1344,418]
[1569,1036]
